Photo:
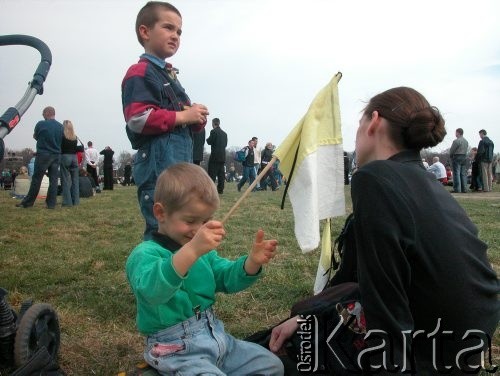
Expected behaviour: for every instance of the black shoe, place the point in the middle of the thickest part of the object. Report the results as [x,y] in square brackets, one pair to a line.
[20,205]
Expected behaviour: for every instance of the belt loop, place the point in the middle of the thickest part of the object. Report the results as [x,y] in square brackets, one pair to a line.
[197,312]
[185,326]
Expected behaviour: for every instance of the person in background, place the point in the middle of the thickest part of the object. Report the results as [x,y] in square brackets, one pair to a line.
[127,173]
[485,158]
[80,154]
[424,162]
[476,183]
[438,169]
[403,253]
[108,167]
[159,115]
[217,160]
[346,168]
[256,160]
[198,146]
[458,155]
[277,173]
[31,165]
[497,169]
[248,165]
[268,178]
[175,278]
[86,184]
[22,183]
[69,166]
[91,160]
[48,135]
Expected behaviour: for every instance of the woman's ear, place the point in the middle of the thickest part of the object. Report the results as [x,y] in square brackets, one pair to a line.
[159,212]
[374,123]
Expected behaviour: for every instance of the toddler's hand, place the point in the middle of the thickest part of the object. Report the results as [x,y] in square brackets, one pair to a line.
[262,250]
[208,237]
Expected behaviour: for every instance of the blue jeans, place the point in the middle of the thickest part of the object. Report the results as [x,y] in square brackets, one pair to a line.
[44,162]
[458,162]
[149,162]
[206,349]
[248,173]
[70,180]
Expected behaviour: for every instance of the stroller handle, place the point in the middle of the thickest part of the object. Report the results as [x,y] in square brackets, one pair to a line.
[12,116]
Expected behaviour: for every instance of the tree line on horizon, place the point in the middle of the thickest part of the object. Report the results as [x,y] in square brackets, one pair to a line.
[14,159]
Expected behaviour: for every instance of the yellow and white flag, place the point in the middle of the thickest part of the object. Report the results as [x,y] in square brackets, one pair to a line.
[314,151]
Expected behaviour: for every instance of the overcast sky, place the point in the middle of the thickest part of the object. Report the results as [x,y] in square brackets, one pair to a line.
[257,64]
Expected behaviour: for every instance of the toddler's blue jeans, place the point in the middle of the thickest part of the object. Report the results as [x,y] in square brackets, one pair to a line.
[206,349]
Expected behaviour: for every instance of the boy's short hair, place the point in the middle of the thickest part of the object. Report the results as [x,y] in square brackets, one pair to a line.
[483,132]
[182,182]
[216,121]
[148,15]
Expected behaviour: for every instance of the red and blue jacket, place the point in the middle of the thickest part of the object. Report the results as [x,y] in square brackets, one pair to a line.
[151,96]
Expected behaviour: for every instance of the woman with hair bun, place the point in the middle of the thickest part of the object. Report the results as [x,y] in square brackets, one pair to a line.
[423,273]
[428,291]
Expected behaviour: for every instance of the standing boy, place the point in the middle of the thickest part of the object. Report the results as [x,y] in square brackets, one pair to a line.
[159,115]
[176,275]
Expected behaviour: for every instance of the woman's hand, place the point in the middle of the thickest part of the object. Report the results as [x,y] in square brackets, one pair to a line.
[281,333]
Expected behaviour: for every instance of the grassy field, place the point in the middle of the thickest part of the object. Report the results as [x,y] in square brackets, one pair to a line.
[73,259]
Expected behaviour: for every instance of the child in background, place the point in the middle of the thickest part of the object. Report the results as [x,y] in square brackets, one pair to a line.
[175,276]
[159,115]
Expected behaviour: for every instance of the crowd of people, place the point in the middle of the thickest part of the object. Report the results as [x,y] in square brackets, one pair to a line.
[473,170]
[60,157]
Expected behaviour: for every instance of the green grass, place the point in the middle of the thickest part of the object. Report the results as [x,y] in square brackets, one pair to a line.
[73,259]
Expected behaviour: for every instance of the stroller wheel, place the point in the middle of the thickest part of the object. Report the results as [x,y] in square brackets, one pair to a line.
[39,327]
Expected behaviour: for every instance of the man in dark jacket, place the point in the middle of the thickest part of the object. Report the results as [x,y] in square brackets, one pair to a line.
[218,142]
[485,157]
[108,167]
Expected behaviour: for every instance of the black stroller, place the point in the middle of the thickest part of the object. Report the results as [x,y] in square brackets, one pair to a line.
[29,341]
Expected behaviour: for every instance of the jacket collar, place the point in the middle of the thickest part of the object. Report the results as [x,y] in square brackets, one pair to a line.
[408,156]
[166,241]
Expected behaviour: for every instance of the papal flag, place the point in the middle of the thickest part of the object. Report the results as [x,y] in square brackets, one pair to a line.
[312,160]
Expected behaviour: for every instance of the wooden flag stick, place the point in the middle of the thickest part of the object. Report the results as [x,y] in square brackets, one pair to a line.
[249,189]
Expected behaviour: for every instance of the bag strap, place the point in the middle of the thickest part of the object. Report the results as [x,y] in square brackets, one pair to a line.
[338,245]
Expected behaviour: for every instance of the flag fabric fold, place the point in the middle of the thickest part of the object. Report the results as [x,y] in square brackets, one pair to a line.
[316,187]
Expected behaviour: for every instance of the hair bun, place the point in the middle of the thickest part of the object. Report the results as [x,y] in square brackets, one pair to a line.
[425,128]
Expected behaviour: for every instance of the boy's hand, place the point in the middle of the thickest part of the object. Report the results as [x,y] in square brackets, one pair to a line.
[208,237]
[196,114]
[262,252]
